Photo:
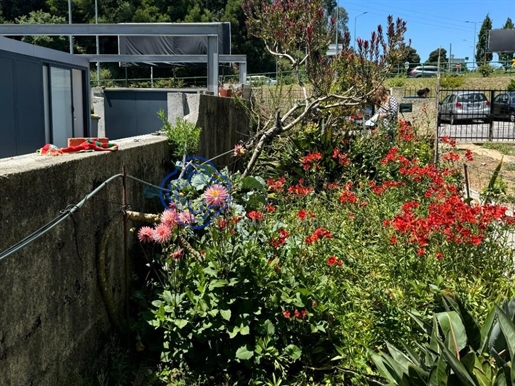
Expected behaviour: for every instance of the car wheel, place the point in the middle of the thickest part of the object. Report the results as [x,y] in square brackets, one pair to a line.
[512,116]
[452,119]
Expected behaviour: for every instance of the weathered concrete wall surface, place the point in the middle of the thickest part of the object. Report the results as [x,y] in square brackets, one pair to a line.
[54,321]
[423,115]
[224,122]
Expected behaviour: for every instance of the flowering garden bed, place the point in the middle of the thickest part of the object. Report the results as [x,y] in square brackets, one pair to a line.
[301,271]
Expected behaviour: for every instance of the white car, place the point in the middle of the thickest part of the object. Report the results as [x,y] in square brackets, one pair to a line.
[260,80]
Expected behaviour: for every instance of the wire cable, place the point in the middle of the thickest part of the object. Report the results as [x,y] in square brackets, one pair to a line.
[71,209]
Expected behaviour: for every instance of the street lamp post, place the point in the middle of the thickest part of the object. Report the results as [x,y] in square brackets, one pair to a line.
[336,29]
[474,47]
[70,22]
[355,20]
[98,48]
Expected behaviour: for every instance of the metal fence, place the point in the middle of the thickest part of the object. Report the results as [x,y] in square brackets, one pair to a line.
[476,115]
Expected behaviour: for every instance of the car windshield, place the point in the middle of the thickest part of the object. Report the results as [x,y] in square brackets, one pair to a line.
[471,98]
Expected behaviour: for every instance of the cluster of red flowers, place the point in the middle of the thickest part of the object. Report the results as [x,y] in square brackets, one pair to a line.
[255,215]
[380,189]
[393,156]
[448,140]
[451,156]
[333,260]
[300,190]
[276,185]
[302,214]
[406,132]
[343,158]
[347,195]
[296,314]
[224,223]
[319,233]
[310,160]
[276,242]
[459,222]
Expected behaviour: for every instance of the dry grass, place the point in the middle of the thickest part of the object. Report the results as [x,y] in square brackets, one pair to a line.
[472,81]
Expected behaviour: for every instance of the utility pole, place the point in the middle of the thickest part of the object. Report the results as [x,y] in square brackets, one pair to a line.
[70,22]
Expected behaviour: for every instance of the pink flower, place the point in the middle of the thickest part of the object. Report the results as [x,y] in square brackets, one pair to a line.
[177,254]
[146,235]
[239,150]
[186,218]
[216,196]
[169,218]
[162,233]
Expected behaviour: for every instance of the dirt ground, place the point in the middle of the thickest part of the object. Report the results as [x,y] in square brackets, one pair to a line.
[482,167]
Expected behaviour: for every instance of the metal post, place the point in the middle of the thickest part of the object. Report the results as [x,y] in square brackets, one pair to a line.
[70,22]
[98,48]
[336,29]
[474,47]
[355,20]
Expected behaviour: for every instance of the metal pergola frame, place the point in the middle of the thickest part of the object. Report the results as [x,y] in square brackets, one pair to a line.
[210,30]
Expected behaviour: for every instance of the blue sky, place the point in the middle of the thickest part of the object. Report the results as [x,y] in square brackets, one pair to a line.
[431,24]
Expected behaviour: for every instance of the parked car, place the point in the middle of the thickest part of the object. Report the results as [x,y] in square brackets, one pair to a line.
[423,72]
[464,105]
[503,106]
[260,80]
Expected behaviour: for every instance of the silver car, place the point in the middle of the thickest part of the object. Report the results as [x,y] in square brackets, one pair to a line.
[464,105]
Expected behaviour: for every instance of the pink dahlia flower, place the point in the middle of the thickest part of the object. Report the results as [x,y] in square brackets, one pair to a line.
[216,196]
[146,235]
[169,217]
[162,233]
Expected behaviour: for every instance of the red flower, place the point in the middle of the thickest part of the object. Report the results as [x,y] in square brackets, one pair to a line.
[296,314]
[270,208]
[301,214]
[468,155]
[254,215]
[287,314]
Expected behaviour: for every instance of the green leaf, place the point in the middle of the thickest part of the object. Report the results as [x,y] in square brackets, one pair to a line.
[234,332]
[226,314]
[269,327]
[458,367]
[181,323]
[385,369]
[452,327]
[244,353]
[217,284]
[508,329]
[486,330]
[294,352]
[245,330]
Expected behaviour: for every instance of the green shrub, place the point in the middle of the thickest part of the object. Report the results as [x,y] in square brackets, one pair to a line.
[485,69]
[184,137]
[449,81]
[511,85]
[396,81]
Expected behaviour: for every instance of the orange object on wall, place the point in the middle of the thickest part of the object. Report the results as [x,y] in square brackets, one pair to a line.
[79,141]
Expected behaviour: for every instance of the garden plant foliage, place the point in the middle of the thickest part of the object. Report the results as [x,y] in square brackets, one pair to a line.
[300,274]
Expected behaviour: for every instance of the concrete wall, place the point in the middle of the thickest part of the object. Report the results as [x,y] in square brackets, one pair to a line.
[54,321]
[423,115]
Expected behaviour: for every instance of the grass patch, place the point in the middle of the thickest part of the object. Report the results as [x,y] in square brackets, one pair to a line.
[503,148]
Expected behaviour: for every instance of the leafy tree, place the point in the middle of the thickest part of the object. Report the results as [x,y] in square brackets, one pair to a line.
[433,56]
[413,58]
[482,56]
[506,56]
[13,9]
[60,43]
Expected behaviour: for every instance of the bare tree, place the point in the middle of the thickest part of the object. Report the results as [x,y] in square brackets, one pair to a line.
[297,31]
